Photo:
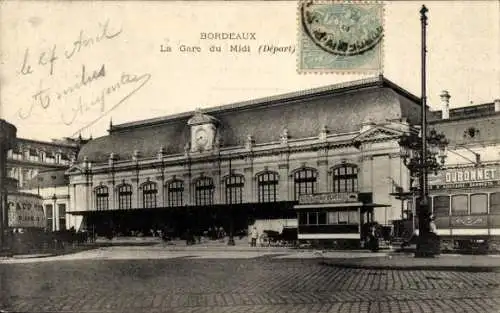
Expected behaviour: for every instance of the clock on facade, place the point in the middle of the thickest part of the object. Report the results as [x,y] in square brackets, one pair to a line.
[203,132]
[201,137]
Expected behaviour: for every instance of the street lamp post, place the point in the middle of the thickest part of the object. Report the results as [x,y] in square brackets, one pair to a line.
[422,156]
[54,200]
[87,170]
[54,210]
[423,175]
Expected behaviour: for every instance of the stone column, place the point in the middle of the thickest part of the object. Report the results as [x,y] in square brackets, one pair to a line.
[248,190]
[112,180]
[218,186]
[136,190]
[160,179]
[283,183]
[162,195]
[365,177]
[381,186]
[283,170]
[400,175]
[187,197]
[323,175]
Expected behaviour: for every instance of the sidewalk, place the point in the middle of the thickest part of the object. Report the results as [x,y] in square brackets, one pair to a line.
[151,247]
[216,245]
[443,262]
[46,253]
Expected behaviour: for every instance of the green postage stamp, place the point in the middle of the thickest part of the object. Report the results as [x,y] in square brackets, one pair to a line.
[340,37]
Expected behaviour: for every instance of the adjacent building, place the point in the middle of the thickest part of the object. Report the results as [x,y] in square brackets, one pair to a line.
[52,187]
[28,157]
[466,194]
[39,168]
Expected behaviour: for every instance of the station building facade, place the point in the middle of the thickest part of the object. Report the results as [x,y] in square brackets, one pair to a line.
[251,161]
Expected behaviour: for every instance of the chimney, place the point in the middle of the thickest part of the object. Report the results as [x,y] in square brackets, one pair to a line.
[445,102]
[497,105]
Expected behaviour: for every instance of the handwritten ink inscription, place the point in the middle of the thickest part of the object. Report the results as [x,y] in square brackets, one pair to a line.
[81,107]
[48,58]
[44,96]
[85,93]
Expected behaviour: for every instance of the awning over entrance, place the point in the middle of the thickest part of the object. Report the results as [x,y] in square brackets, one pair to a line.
[187,217]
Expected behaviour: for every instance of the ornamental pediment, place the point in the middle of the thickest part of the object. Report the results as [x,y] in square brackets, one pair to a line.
[73,170]
[378,133]
[201,118]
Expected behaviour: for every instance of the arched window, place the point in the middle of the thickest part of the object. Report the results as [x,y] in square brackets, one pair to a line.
[267,184]
[101,198]
[441,205]
[174,192]
[124,197]
[149,192]
[204,191]
[345,178]
[304,182]
[234,189]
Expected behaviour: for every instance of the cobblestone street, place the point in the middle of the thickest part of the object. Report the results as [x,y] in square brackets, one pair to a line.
[260,284]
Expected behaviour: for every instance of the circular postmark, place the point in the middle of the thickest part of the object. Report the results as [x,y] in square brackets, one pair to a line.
[343,29]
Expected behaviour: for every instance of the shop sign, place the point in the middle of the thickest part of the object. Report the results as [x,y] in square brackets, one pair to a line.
[25,211]
[332,197]
[466,177]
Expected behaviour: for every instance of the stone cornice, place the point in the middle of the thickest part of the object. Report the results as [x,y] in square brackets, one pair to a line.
[248,156]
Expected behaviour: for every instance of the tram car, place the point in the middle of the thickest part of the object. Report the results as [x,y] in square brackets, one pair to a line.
[468,220]
[466,209]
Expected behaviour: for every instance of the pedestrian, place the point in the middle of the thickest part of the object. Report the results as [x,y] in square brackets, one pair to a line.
[373,238]
[254,236]
[221,234]
[188,237]
[432,225]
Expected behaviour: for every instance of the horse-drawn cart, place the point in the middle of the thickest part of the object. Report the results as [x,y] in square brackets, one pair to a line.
[287,238]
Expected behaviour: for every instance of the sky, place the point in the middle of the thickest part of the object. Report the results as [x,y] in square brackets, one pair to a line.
[129,78]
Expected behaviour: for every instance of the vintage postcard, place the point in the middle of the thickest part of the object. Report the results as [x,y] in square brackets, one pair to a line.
[249,156]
